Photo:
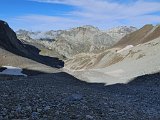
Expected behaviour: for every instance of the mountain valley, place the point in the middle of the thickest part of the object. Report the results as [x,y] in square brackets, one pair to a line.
[82,73]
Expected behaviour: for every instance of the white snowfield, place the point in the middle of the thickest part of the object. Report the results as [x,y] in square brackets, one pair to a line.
[138,60]
[12,71]
[126,48]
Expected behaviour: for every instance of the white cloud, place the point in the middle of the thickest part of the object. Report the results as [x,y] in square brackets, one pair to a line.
[42,22]
[101,13]
[42,18]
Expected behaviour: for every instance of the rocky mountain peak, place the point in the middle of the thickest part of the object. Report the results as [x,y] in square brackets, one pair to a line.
[8,39]
[90,27]
[146,33]
[3,22]
[86,28]
[122,29]
[85,38]
[119,32]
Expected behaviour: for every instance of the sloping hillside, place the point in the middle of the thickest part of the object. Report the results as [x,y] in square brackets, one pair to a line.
[129,58]
[145,34]
[9,59]
[112,56]
[121,67]
[15,53]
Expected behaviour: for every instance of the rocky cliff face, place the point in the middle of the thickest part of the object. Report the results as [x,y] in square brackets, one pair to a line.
[85,39]
[8,39]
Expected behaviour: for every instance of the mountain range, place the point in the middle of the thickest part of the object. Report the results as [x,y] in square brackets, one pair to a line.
[87,51]
[82,73]
[134,55]
[97,55]
[85,39]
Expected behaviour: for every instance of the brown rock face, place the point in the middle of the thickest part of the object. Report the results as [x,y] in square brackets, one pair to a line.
[145,34]
[155,34]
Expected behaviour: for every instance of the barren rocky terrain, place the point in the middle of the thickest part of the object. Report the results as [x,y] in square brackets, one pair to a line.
[134,55]
[62,97]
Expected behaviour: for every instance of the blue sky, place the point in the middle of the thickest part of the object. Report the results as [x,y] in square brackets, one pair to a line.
[64,14]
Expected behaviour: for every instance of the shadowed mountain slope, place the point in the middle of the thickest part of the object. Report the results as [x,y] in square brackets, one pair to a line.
[9,42]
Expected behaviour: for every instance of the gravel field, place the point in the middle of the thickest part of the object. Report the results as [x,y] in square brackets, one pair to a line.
[60,96]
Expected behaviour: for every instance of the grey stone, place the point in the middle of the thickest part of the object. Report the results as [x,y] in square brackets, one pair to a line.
[18,109]
[29,108]
[39,110]
[47,108]
[35,115]
[1,117]
[89,117]
[75,97]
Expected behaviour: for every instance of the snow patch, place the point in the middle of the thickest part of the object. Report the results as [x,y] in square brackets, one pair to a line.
[126,48]
[12,71]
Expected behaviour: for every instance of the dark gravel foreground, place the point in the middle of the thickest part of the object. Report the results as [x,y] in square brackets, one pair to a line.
[62,97]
